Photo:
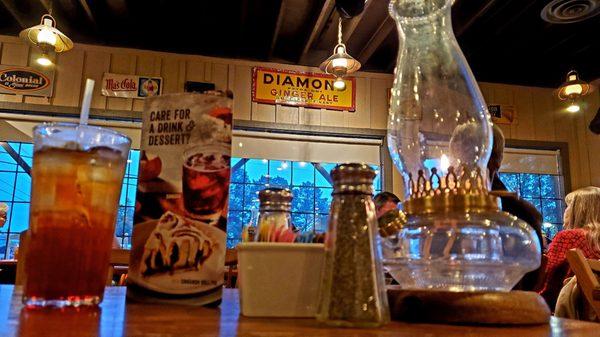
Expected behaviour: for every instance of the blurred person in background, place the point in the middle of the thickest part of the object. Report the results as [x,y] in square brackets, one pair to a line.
[581,230]
[385,202]
[513,204]
[3,213]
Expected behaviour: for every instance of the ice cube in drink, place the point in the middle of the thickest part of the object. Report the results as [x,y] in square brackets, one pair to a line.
[74,201]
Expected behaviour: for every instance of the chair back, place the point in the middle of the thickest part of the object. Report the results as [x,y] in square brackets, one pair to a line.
[231,257]
[231,261]
[586,279]
[23,243]
[118,258]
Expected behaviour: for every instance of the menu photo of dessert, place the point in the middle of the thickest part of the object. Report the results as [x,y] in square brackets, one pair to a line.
[180,222]
[178,255]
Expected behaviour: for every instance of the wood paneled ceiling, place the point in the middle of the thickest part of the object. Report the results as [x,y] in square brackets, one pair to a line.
[503,40]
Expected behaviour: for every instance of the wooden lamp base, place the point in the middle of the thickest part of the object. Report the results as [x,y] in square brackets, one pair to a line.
[494,308]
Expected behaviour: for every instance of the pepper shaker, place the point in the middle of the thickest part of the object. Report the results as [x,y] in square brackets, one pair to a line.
[353,289]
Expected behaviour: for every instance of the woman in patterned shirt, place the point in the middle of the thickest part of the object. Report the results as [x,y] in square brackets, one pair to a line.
[582,230]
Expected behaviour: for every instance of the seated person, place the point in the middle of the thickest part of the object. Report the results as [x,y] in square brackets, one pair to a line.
[514,205]
[385,202]
[581,230]
[3,214]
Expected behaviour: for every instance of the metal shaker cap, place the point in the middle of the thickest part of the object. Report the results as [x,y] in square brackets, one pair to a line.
[275,199]
[353,178]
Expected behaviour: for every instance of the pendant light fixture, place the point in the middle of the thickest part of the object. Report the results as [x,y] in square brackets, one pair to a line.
[47,38]
[572,89]
[340,64]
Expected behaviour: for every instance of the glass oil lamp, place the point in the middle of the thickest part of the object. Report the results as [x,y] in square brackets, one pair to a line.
[454,236]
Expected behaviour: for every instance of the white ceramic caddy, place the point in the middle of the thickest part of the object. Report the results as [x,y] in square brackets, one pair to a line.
[279,279]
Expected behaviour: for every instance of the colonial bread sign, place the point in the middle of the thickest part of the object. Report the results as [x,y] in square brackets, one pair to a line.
[301,89]
[25,81]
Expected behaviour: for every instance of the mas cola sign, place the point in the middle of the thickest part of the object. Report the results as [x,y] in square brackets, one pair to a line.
[130,86]
[25,81]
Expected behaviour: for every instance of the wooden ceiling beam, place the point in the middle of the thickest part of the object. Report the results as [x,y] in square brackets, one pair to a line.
[67,6]
[118,7]
[28,19]
[47,5]
[324,15]
[383,31]
[277,29]
[88,12]
[484,9]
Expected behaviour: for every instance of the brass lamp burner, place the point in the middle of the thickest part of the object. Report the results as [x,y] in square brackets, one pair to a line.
[462,191]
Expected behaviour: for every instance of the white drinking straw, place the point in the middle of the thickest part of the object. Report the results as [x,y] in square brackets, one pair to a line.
[87,100]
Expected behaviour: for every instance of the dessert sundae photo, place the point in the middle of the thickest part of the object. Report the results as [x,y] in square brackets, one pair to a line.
[178,255]
[175,244]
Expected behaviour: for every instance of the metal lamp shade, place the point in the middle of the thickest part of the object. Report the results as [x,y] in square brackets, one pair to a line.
[331,65]
[62,44]
[574,87]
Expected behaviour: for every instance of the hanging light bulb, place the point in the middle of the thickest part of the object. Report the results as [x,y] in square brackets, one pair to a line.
[573,107]
[340,63]
[339,84]
[44,60]
[46,37]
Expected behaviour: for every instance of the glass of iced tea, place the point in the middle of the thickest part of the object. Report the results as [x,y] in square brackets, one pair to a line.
[76,184]
[206,170]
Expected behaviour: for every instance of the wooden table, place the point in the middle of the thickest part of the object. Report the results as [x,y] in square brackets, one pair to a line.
[115,318]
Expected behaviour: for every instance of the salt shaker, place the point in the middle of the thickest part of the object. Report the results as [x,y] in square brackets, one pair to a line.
[275,207]
[353,288]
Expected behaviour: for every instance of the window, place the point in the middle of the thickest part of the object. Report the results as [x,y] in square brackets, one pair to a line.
[124,224]
[535,176]
[15,186]
[544,191]
[310,183]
